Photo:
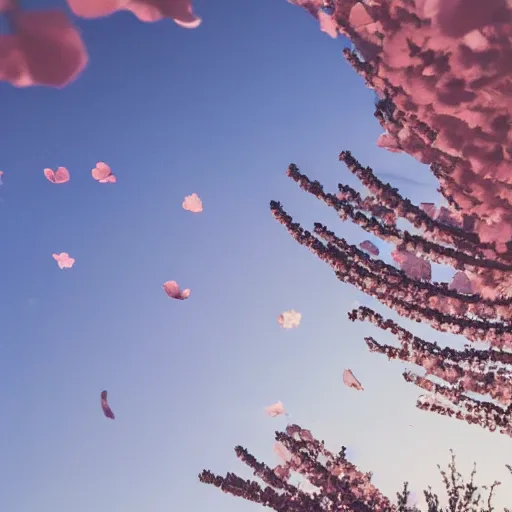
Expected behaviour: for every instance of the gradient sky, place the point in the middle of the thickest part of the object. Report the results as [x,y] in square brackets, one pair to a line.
[221,110]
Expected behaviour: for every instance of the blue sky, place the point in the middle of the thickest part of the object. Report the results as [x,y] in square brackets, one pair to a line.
[221,110]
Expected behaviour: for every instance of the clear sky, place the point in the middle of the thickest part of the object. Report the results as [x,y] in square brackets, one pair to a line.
[221,110]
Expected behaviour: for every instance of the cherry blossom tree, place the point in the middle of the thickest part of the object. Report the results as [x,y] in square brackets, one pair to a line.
[438,68]
[334,483]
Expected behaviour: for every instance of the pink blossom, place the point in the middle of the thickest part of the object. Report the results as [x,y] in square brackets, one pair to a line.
[102,173]
[107,411]
[28,56]
[63,260]
[172,289]
[289,319]
[350,380]
[275,409]
[61,175]
[193,203]
[369,247]
[180,11]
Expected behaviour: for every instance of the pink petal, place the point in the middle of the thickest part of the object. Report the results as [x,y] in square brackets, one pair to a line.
[95,8]
[146,10]
[192,203]
[413,266]
[429,209]
[172,289]
[28,56]
[101,172]
[369,247]
[350,380]
[61,175]
[109,179]
[275,409]
[289,319]
[461,283]
[63,260]
[107,411]
[282,452]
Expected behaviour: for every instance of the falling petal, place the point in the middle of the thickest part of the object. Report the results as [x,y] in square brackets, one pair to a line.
[461,283]
[61,175]
[192,203]
[413,266]
[180,11]
[27,57]
[109,179]
[369,247]
[282,452]
[63,260]
[429,208]
[289,319]
[350,380]
[173,290]
[103,173]
[275,409]
[107,411]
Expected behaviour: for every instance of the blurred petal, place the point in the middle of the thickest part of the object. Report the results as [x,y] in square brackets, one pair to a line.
[146,10]
[172,289]
[95,8]
[101,171]
[45,50]
[289,319]
[461,283]
[63,260]
[192,203]
[350,380]
[413,266]
[275,409]
[107,411]
[61,175]
[369,247]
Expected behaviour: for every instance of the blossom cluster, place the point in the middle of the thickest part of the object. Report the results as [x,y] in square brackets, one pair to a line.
[439,70]
[332,482]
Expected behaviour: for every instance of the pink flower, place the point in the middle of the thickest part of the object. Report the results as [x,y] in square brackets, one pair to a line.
[63,260]
[192,203]
[350,380]
[107,411]
[289,319]
[275,409]
[61,175]
[180,11]
[172,289]
[102,173]
[45,49]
